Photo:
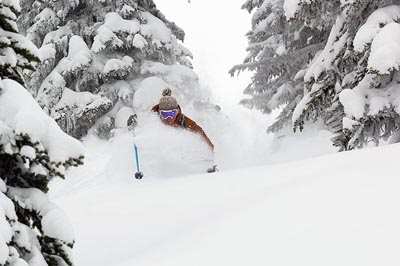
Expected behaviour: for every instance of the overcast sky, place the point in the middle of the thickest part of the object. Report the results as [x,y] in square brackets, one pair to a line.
[215,34]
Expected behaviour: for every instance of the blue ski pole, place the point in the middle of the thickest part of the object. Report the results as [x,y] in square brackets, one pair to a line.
[138,174]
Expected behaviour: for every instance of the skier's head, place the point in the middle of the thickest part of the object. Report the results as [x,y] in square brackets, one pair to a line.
[168,107]
[168,102]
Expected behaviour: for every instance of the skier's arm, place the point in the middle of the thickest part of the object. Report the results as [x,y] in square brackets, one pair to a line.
[192,126]
[155,108]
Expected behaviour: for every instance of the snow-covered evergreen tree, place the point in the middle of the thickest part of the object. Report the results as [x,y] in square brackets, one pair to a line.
[16,54]
[334,61]
[279,51]
[33,150]
[95,54]
[351,82]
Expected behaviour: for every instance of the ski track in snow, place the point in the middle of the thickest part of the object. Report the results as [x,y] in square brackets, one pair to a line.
[339,209]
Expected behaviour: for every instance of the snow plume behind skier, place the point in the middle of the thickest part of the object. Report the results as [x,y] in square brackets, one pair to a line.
[165,151]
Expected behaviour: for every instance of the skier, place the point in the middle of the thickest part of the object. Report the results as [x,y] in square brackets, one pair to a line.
[170,114]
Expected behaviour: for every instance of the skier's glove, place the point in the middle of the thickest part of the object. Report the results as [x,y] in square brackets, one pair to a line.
[132,121]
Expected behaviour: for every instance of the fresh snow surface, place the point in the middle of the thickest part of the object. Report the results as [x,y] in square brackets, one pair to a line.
[47,52]
[20,112]
[79,54]
[374,24]
[323,61]
[385,50]
[339,209]
[54,223]
[155,28]
[348,123]
[298,111]
[115,64]
[84,98]
[58,35]
[139,41]
[114,24]
[378,104]
[290,7]
[353,103]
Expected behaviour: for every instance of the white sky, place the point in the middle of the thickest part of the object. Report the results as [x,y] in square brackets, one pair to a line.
[215,34]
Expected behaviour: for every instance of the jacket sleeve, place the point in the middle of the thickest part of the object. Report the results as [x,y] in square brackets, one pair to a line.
[155,108]
[192,126]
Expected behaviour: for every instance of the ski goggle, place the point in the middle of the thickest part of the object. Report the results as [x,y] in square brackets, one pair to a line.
[168,113]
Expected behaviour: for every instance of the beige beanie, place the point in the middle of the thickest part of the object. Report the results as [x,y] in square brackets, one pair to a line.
[167,102]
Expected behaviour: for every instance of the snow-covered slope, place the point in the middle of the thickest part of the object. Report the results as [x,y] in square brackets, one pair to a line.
[339,209]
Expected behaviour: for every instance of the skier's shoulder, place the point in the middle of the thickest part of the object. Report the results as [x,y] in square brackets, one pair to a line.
[188,122]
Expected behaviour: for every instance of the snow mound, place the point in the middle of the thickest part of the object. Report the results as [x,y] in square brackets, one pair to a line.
[353,103]
[79,54]
[155,28]
[115,64]
[139,41]
[366,34]
[21,112]
[290,7]
[54,223]
[385,50]
[80,100]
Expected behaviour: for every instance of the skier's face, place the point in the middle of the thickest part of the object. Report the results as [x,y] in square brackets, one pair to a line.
[168,121]
[168,116]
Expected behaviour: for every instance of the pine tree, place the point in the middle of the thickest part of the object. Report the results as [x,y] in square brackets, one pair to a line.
[16,53]
[32,228]
[345,86]
[279,51]
[338,66]
[94,56]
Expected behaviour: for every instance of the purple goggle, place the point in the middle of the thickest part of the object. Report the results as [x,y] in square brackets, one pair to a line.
[168,113]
